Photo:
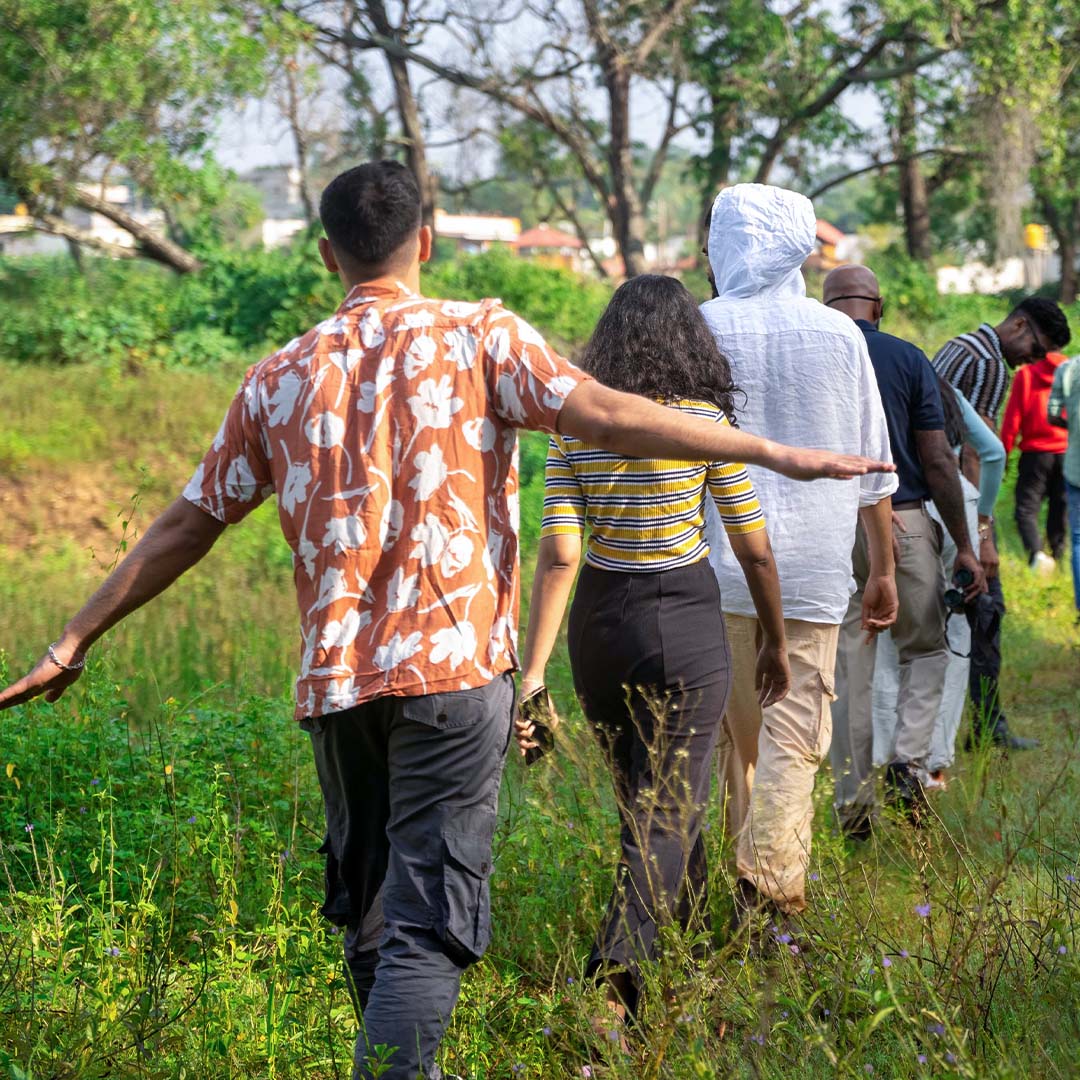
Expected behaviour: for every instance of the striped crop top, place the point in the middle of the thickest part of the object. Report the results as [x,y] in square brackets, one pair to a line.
[644,515]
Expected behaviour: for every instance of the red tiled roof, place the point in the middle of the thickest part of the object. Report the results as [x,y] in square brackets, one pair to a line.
[546,237]
[828,233]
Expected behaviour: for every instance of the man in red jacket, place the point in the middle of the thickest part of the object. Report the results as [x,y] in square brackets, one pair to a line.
[1042,454]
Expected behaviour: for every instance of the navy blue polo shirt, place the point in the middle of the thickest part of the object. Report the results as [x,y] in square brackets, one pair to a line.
[912,402]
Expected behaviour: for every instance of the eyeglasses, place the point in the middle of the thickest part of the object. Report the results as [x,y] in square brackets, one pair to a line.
[856,296]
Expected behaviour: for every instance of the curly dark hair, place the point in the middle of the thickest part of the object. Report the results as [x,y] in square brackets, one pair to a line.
[653,340]
[1048,317]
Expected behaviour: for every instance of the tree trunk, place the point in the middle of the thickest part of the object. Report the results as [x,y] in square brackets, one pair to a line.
[300,140]
[147,242]
[724,123]
[408,113]
[1066,228]
[1067,252]
[624,207]
[913,195]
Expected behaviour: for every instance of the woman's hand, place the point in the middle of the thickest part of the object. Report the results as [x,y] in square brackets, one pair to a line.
[525,729]
[772,676]
[802,464]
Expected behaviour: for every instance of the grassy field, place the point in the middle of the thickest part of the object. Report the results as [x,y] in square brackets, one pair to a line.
[159,882]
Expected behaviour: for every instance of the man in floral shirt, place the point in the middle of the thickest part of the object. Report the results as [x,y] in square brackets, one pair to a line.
[388,435]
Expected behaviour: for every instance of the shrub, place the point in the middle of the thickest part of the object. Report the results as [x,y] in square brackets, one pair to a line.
[908,285]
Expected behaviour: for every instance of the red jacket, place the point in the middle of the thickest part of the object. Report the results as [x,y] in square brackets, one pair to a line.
[1025,412]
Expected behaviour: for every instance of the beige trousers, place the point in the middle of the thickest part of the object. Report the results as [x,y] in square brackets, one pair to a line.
[919,635]
[768,760]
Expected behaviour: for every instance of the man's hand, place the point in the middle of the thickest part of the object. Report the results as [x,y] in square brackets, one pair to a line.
[801,464]
[965,560]
[772,675]
[47,678]
[879,605]
[988,556]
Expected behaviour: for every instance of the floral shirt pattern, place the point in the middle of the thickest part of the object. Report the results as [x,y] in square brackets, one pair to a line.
[388,434]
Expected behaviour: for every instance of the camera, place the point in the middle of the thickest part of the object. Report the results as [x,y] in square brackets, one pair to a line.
[954,595]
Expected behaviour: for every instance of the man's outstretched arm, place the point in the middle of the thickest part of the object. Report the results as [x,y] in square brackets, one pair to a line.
[632,425]
[175,542]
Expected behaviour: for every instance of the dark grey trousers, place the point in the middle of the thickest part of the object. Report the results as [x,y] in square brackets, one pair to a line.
[411,790]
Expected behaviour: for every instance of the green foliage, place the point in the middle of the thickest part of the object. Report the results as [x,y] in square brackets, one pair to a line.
[907,284]
[241,302]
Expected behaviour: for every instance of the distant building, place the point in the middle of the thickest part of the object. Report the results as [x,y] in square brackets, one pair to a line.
[552,247]
[828,243]
[283,209]
[472,233]
[19,237]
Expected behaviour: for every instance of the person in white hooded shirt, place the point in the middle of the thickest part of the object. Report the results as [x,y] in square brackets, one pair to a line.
[808,380]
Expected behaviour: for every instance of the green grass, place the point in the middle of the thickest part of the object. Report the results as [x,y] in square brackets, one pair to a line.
[160,919]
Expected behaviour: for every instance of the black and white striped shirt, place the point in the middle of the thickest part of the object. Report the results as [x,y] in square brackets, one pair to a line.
[974,365]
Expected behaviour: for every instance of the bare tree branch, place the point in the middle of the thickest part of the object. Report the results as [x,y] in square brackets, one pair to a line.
[843,178]
[57,226]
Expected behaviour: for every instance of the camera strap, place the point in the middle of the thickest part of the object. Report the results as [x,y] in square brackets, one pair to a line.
[961,655]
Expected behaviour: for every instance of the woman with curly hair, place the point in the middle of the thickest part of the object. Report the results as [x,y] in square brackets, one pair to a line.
[646,637]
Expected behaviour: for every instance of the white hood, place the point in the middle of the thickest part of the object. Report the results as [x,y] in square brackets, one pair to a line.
[759,237]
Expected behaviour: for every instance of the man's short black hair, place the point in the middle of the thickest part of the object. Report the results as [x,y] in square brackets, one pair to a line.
[1048,317]
[369,211]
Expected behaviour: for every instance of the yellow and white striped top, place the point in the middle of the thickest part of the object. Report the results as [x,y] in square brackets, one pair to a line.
[644,514]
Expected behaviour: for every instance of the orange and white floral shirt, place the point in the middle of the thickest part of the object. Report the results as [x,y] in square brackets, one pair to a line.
[388,434]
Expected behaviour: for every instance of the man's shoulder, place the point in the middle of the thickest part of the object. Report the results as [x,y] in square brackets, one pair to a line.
[899,349]
[768,316]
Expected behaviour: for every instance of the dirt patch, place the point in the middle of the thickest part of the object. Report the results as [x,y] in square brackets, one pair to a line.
[84,505]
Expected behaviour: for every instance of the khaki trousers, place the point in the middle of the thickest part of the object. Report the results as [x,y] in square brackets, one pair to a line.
[768,760]
[919,635]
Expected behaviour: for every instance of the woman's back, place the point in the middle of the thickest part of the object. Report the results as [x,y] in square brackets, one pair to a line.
[644,515]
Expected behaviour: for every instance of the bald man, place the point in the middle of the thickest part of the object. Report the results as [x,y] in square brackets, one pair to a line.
[928,470]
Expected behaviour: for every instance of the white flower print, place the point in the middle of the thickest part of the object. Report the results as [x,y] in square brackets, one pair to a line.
[431,473]
[431,537]
[434,404]
[402,592]
[558,390]
[459,309]
[345,534]
[339,635]
[461,348]
[417,320]
[528,335]
[453,643]
[347,360]
[333,587]
[420,356]
[372,334]
[393,521]
[497,345]
[294,490]
[194,490]
[513,505]
[240,484]
[497,641]
[397,650]
[369,391]
[219,438]
[457,556]
[325,430]
[337,324]
[479,433]
[510,407]
[283,399]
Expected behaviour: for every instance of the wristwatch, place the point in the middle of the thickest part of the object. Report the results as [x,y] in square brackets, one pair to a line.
[986,529]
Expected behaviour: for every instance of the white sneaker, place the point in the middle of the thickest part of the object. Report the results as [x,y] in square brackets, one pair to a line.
[1043,564]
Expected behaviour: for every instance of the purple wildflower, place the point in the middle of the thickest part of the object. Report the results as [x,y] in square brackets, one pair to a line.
[1070,878]
[191,820]
[28,827]
[936,1029]
[83,810]
[114,951]
[570,982]
[921,1059]
[519,1068]
[827,1012]
[546,1031]
[95,782]
[815,876]
[886,962]
[759,1038]
[794,950]
[784,939]
[868,1069]
[1062,950]
[950,1057]
[923,910]
[904,954]
[586,1072]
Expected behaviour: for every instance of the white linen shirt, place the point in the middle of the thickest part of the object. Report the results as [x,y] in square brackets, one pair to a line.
[808,381]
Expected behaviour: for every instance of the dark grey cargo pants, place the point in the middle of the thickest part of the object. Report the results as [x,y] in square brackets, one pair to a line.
[411,789]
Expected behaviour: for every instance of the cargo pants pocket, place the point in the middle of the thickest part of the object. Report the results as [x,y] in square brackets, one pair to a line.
[465,918]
